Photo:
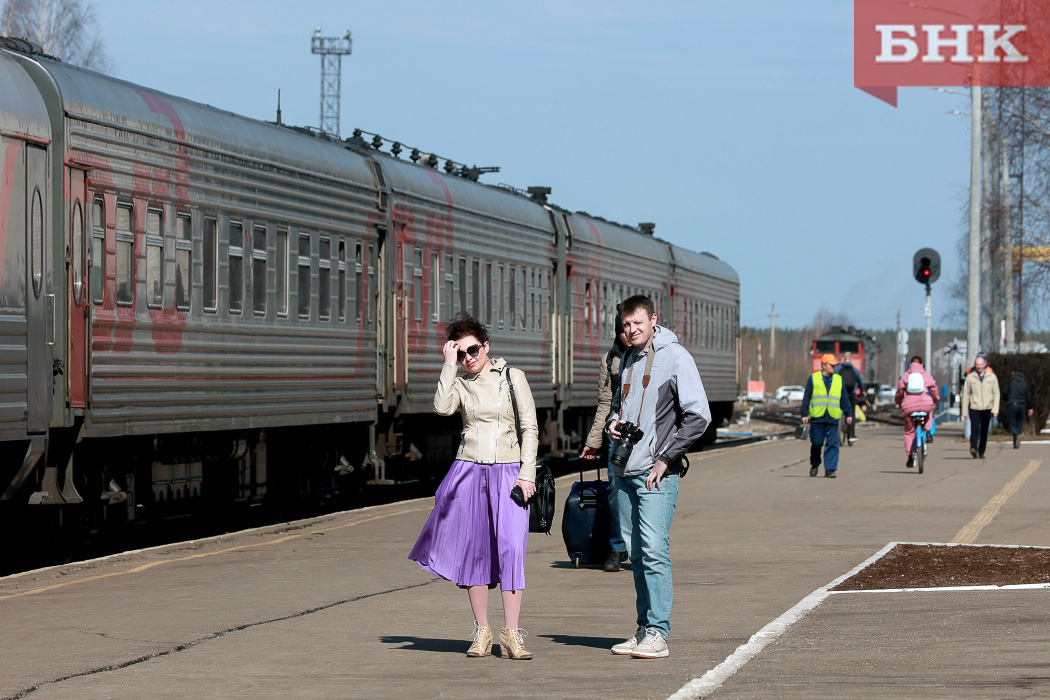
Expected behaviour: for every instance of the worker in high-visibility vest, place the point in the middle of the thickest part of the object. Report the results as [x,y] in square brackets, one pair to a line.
[823,404]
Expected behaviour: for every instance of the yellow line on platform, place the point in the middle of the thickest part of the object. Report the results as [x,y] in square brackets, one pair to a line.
[144,567]
[969,534]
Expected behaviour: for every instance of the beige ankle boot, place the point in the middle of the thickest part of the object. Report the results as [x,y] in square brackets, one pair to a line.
[482,643]
[510,640]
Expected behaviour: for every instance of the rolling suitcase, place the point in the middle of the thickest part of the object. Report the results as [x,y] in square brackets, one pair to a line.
[585,521]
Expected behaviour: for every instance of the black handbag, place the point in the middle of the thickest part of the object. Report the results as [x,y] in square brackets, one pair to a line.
[541,505]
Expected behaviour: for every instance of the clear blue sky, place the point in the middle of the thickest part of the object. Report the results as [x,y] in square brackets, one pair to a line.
[732,124]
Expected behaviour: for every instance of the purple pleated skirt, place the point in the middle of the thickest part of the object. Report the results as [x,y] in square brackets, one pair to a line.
[477,534]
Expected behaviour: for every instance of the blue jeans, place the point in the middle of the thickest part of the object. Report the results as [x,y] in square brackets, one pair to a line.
[824,435]
[645,523]
[616,542]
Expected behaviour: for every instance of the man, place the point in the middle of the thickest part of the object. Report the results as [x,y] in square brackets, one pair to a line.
[608,380]
[851,382]
[823,403]
[1018,400]
[660,392]
[980,401]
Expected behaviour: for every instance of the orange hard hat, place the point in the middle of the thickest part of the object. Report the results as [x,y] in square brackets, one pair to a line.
[829,358]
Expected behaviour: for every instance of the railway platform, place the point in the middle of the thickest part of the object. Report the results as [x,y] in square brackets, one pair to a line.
[332,608]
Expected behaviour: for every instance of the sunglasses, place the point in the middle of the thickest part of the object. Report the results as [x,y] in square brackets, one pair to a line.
[473,351]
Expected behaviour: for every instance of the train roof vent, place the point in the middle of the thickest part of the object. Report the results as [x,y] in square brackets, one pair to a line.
[25,46]
[539,194]
[647,228]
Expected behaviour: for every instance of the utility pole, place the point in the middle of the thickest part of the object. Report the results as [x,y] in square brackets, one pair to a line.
[973,295]
[1008,249]
[988,329]
[331,50]
[773,333]
[897,363]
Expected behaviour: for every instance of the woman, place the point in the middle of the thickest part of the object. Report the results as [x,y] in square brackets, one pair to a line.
[476,535]
[911,401]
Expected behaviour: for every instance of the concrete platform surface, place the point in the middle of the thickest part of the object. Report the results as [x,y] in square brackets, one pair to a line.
[332,608]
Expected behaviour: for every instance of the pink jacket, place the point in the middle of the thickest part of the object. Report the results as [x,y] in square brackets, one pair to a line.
[917,402]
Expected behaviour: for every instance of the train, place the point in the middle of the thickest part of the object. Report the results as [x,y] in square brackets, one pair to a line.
[200,309]
[863,345]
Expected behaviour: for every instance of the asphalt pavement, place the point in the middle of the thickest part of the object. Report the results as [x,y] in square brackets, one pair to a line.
[332,608]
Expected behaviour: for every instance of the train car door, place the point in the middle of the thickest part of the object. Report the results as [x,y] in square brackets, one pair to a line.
[381,259]
[76,375]
[402,288]
[39,295]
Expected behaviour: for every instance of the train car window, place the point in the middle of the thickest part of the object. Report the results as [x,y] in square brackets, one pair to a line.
[587,308]
[183,260]
[235,256]
[417,283]
[78,254]
[324,279]
[210,264]
[304,275]
[282,272]
[125,256]
[488,293]
[435,287]
[513,296]
[342,279]
[357,277]
[447,297]
[259,264]
[38,242]
[98,251]
[849,346]
[522,302]
[463,285]
[475,287]
[501,293]
[154,258]
[371,301]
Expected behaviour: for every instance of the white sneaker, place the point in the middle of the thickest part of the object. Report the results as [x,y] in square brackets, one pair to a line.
[652,646]
[625,648]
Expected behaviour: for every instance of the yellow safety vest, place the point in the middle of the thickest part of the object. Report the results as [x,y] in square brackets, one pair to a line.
[822,401]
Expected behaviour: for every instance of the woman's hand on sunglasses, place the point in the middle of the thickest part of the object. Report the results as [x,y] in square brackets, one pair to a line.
[451,352]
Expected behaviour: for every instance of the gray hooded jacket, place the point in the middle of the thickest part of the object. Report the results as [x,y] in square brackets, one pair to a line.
[673,409]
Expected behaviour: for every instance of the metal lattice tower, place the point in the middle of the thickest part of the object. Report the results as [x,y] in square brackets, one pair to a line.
[332,50]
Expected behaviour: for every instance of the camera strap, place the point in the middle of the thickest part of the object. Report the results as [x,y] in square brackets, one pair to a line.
[645,380]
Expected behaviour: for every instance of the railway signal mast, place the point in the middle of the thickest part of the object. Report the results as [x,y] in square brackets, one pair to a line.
[332,50]
[926,268]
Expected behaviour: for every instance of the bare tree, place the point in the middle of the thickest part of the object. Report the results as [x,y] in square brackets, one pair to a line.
[63,28]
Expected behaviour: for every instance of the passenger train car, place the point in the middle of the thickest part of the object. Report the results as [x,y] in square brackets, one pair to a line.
[197,307]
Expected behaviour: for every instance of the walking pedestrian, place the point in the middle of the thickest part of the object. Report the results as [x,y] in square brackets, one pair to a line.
[609,381]
[980,401]
[824,402]
[1018,401]
[655,429]
[476,535]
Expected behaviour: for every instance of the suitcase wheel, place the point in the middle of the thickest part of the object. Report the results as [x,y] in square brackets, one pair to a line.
[577,559]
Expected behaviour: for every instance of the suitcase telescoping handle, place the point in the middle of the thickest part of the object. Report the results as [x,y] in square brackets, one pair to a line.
[589,498]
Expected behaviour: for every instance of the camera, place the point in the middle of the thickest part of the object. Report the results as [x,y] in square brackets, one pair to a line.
[629,437]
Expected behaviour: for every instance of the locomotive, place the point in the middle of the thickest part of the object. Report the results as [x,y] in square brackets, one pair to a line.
[863,345]
[199,309]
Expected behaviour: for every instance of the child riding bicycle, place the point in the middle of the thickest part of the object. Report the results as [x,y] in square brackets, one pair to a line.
[916,391]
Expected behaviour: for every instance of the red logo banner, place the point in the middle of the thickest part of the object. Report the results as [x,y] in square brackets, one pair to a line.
[949,42]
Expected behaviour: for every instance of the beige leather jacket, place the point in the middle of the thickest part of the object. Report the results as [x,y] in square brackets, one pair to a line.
[490,434]
[980,395]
